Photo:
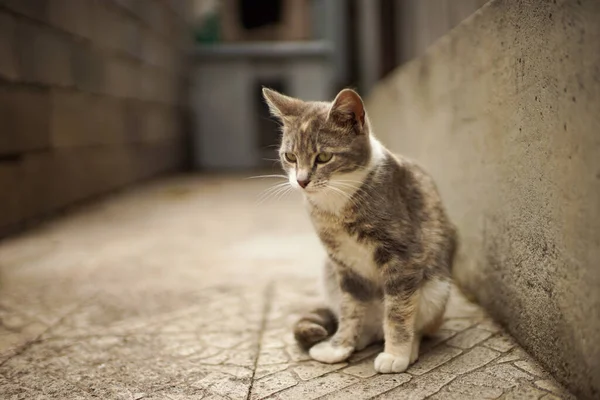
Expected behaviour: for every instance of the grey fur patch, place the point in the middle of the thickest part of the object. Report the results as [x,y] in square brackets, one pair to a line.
[403,285]
[329,241]
[362,289]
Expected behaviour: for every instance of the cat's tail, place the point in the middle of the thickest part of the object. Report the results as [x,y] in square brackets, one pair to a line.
[315,327]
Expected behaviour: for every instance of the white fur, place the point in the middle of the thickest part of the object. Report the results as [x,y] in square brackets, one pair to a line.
[432,302]
[292,179]
[302,174]
[358,256]
[386,363]
[325,352]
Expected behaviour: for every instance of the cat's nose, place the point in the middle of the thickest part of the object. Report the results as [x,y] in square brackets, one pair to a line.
[303,183]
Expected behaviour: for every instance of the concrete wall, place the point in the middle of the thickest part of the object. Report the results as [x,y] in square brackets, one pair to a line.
[422,22]
[90,99]
[505,113]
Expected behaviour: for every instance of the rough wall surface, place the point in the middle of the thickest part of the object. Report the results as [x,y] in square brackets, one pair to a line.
[504,112]
[90,99]
[422,22]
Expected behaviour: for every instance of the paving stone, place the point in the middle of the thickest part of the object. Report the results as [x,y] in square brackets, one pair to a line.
[469,338]
[444,394]
[232,382]
[433,359]
[317,387]
[515,354]
[530,367]
[419,388]
[277,338]
[479,385]
[370,388]
[269,369]
[550,397]
[475,358]
[312,369]
[368,352]
[490,325]
[272,384]
[439,337]
[501,343]
[508,373]
[553,387]
[364,369]
[181,393]
[548,385]
[238,357]
[225,340]
[208,380]
[210,397]
[231,387]
[525,392]
[296,354]
[273,356]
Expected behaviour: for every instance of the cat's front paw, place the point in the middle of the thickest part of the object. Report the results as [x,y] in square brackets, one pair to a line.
[387,363]
[326,352]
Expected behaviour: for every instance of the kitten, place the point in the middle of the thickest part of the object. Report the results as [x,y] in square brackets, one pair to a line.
[389,242]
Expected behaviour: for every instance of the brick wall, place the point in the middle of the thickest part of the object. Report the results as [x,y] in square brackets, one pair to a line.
[92,95]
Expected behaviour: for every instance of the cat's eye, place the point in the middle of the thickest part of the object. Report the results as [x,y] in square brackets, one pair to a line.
[322,158]
[290,157]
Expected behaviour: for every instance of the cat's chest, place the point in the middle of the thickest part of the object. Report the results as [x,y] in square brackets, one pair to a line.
[345,248]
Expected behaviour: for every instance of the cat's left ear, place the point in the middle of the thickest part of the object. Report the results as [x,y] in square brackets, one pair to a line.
[348,108]
[282,106]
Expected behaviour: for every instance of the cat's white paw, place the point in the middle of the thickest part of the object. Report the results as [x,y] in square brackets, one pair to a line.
[387,363]
[326,352]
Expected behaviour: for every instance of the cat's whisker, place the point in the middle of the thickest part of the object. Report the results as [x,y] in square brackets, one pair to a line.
[343,194]
[356,191]
[285,193]
[276,192]
[360,183]
[344,185]
[279,195]
[267,192]
[271,188]
[330,191]
[360,192]
[267,176]
[356,197]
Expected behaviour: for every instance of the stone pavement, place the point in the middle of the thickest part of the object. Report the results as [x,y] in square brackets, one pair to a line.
[185,289]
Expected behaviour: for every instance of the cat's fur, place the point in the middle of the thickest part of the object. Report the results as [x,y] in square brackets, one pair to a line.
[380,218]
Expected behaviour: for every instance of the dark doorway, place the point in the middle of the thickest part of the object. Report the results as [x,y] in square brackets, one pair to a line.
[388,22]
[268,127]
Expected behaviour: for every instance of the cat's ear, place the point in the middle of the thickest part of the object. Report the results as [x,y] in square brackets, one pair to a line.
[348,108]
[282,106]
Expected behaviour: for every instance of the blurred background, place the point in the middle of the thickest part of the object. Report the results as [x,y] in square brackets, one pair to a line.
[309,49]
[98,94]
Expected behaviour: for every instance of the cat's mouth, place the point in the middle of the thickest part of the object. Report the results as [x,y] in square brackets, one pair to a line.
[309,190]
[313,189]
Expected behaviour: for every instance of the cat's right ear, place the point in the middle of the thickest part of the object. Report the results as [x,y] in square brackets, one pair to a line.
[282,106]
